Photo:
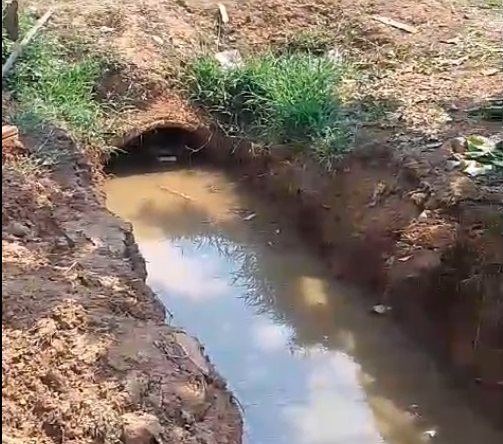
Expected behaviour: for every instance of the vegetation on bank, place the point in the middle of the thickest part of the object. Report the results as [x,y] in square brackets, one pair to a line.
[53,87]
[282,98]
[285,97]
[290,95]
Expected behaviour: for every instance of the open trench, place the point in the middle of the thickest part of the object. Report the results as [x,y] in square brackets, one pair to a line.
[305,356]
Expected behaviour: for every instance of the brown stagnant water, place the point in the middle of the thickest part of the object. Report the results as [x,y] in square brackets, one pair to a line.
[303,354]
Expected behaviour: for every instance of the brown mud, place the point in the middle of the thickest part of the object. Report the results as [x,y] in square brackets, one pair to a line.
[87,355]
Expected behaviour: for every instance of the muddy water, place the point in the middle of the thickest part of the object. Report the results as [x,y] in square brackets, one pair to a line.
[305,358]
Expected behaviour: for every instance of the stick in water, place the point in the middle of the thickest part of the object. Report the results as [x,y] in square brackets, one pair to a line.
[19,46]
[176,193]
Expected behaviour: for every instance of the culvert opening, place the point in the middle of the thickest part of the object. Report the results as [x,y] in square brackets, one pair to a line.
[156,148]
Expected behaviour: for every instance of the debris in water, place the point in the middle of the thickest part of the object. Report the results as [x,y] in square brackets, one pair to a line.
[381,309]
[430,433]
[177,193]
[167,159]
[398,25]
[250,217]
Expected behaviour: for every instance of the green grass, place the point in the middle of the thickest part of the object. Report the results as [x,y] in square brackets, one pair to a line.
[51,87]
[286,98]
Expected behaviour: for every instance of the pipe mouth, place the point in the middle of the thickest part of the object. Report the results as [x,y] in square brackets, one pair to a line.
[156,146]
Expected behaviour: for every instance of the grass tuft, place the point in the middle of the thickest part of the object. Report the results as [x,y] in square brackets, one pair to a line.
[51,87]
[287,98]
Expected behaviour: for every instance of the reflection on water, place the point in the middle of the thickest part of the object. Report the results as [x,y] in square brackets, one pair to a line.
[307,361]
[291,394]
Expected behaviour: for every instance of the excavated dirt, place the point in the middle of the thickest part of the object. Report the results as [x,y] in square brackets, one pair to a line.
[87,356]
[426,238]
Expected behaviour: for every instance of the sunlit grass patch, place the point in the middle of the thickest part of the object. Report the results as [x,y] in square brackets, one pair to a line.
[286,98]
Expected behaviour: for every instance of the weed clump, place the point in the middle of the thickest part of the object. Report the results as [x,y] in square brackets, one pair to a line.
[287,98]
[52,87]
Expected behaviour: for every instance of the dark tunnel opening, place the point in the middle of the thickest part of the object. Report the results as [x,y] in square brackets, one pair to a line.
[157,149]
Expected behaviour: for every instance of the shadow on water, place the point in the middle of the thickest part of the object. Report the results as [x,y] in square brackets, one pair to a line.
[307,360]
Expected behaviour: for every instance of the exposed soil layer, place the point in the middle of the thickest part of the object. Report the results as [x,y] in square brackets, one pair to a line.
[424,238]
[87,356]
[431,246]
[427,240]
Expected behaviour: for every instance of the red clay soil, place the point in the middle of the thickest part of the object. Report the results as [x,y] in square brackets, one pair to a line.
[86,354]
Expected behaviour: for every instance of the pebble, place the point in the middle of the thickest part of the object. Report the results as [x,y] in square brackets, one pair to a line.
[426,214]
[141,428]
[19,229]
[459,145]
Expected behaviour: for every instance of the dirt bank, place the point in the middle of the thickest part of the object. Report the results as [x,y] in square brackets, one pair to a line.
[425,239]
[87,356]
[395,218]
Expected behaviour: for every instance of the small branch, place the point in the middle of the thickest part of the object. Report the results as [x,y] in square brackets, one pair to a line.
[395,24]
[177,193]
[11,20]
[19,46]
